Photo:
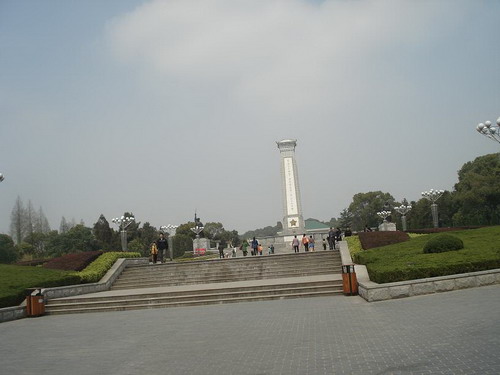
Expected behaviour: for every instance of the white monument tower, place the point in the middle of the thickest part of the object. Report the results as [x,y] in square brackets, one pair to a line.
[293,221]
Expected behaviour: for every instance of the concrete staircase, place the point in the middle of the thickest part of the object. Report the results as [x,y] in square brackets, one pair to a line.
[212,282]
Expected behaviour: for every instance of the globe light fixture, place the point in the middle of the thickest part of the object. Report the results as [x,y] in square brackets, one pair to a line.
[403,210]
[490,130]
[383,215]
[432,196]
[123,222]
[170,229]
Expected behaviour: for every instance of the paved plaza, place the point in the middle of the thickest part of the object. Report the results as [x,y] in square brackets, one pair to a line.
[447,333]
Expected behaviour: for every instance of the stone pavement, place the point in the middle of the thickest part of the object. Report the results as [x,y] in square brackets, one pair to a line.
[447,333]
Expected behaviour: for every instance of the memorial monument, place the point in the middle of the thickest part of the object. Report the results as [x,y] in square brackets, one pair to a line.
[293,221]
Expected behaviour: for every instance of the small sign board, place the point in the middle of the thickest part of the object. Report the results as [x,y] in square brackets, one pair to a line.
[200,251]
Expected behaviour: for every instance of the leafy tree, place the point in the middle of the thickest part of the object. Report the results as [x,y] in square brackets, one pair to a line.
[8,252]
[185,229]
[182,243]
[148,234]
[103,233]
[75,240]
[37,242]
[213,231]
[364,208]
[345,219]
[477,193]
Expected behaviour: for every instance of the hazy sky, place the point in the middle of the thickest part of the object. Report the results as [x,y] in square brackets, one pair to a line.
[163,107]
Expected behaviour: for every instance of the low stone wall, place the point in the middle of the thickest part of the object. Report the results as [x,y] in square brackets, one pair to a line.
[12,313]
[17,312]
[371,291]
[104,284]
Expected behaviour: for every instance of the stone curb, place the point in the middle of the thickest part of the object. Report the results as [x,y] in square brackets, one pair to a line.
[18,312]
[372,291]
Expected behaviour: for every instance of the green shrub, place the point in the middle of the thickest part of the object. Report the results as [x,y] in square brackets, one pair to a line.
[442,243]
[98,268]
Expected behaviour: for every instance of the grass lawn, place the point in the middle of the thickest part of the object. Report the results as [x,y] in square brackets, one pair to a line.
[15,279]
[406,260]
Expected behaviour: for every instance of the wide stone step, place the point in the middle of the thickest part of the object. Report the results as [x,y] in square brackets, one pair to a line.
[216,272]
[181,297]
[229,265]
[141,283]
[314,256]
[216,298]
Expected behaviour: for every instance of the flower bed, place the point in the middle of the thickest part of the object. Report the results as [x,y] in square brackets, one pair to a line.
[369,240]
[73,262]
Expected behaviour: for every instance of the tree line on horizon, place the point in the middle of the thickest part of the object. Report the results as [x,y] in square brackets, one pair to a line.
[475,200]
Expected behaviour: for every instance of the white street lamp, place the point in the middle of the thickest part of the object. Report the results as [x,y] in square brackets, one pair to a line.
[489,130]
[433,195]
[170,229]
[123,222]
[383,215]
[403,210]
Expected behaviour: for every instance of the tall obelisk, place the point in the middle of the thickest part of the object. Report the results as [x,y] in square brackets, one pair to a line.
[293,221]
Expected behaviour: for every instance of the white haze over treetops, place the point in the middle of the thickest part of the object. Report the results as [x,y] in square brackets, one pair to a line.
[163,107]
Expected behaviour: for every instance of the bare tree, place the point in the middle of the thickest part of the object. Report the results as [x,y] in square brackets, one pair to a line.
[17,221]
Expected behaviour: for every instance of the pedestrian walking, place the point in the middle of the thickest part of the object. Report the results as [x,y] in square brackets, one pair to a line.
[311,243]
[331,238]
[244,247]
[255,246]
[154,253]
[221,251]
[338,235]
[272,248]
[305,243]
[259,248]
[324,243]
[295,244]
[162,245]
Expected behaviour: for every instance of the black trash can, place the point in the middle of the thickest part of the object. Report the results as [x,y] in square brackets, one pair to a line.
[349,281]
[35,303]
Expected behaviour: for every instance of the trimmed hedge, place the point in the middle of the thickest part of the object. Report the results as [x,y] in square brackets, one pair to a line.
[442,243]
[369,240]
[439,230]
[98,268]
[381,275]
[73,262]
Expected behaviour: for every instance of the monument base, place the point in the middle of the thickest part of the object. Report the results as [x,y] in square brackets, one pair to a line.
[200,246]
[387,227]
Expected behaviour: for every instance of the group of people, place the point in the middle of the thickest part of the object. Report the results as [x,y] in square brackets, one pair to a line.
[308,243]
[159,249]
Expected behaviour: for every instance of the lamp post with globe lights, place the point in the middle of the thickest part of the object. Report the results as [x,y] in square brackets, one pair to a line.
[123,222]
[490,130]
[433,195]
[170,229]
[383,215]
[403,210]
